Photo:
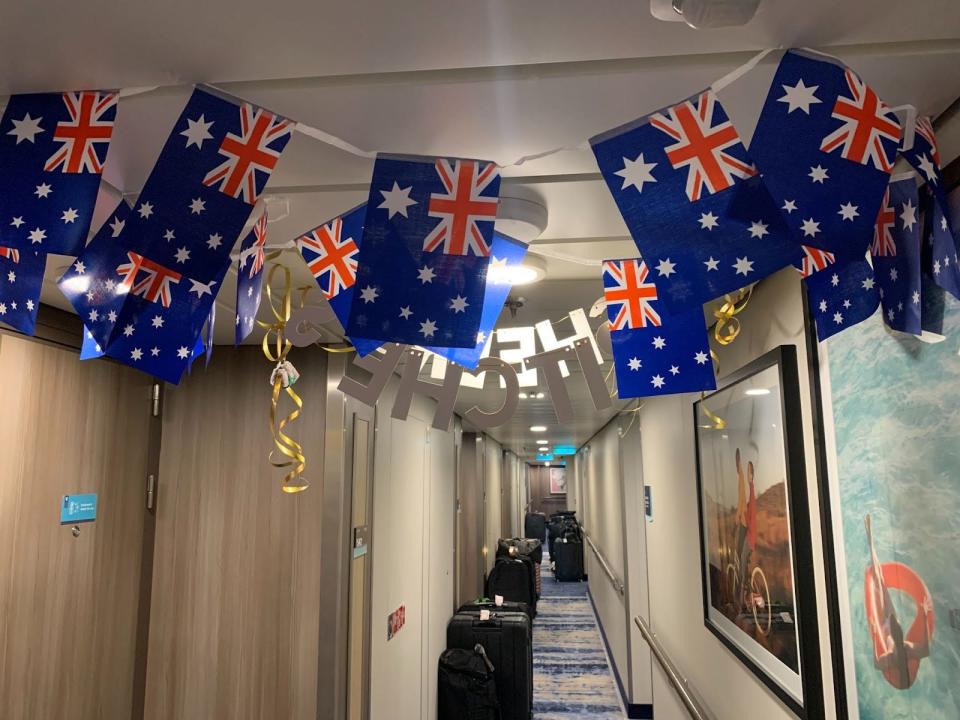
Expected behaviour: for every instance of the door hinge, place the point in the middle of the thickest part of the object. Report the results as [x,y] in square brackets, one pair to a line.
[151,492]
[155,399]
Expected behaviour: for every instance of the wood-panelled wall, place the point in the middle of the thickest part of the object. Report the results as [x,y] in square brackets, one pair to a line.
[236,586]
[540,498]
[68,605]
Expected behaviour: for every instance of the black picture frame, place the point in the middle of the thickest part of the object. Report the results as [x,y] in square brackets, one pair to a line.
[809,705]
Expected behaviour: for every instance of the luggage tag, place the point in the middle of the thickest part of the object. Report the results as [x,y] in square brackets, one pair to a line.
[498,600]
[484,615]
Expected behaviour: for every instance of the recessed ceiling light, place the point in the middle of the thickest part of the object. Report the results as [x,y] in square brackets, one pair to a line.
[538,428]
[758,391]
[531,270]
[543,442]
[547,463]
[540,396]
[522,396]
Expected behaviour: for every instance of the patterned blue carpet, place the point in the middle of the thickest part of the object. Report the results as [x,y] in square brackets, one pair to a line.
[571,674]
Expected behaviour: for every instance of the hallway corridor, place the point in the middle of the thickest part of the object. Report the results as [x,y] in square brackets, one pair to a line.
[572,677]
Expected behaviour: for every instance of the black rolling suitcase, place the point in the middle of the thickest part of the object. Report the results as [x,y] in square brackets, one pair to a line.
[535,526]
[466,686]
[514,579]
[506,638]
[568,562]
[489,604]
[529,547]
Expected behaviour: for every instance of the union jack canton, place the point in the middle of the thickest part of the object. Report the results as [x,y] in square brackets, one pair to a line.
[693,202]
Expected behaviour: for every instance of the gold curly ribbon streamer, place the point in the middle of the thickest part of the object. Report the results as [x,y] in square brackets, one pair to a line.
[275,348]
[304,290]
[727,327]
[716,422]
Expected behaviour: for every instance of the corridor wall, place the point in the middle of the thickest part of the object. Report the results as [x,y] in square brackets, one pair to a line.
[729,689]
[413,557]
[493,498]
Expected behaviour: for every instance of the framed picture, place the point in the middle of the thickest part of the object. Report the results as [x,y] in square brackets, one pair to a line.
[558,481]
[756,559]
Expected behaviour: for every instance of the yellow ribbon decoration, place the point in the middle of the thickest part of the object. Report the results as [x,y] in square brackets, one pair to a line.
[275,348]
[728,324]
[716,422]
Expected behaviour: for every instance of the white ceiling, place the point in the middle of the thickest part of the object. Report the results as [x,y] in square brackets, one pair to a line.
[495,79]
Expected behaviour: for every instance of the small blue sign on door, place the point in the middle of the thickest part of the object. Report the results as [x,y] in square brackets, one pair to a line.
[78,509]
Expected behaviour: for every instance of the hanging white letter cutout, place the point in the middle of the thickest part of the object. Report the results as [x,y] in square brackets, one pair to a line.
[549,363]
[484,420]
[581,331]
[526,340]
[410,383]
[380,366]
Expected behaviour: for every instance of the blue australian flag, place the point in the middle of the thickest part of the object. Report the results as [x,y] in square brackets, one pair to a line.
[825,144]
[895,252]
[250,278]
[52,150]
[21,279]
[841,296]
[694,202]
[330,252]
[505,253]
[423,263]
[145,293]
[653,353]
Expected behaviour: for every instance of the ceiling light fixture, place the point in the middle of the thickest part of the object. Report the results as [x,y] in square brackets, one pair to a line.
[543,442]
[538,428]
[547,463]
[532,269]
[540,396]
[523,396]
[757,391]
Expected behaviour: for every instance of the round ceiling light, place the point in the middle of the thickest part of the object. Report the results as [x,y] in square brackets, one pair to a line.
[531,270]
[538,428]
[543,442]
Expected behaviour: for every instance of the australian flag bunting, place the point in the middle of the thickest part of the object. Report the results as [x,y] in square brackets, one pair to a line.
[145,292]
[694,202]
[250,278]
[504,253]
[21,279]
[825,144]
[895,252]
[330,252]
[52,150]
[654,353]
[842,296]
[422,266]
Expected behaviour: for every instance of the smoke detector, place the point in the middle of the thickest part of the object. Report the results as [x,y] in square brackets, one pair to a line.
[701,14]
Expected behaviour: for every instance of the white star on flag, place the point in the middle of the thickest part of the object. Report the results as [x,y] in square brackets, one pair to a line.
[94,316]
[79,267]
[908,216]
[136,354]
[674,370]
[197,206]
[891,314]
[200,288]
[215,241]
[183,352]
[847,304]
[425,275]
[758,229]
[848,211]
[838,318]
[396,200]
[17,221]
[182,255]
[428,328]
[197,131]
[818,174]
[636,172]
[799,97]
[405,312]
[128,330]
[701,358]
[916,297]
[657,381]
[112,316]
[157,321]
[146,210]
[116,227]
[810,228]
[894,274]
[867,284]
[169,235]
[634,363]
[154,351]
[743,266]
[37,236]
[11,276]
[666,268]
[835,280]
[70,215]
[789,206]
[368,294]
[659,343]
[823,306]
[43,190]
[26,129]
[459,304]
[708,221]
[712,264]
[928,169]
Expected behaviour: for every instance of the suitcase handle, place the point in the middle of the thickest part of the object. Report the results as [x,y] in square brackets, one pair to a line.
[479,649]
